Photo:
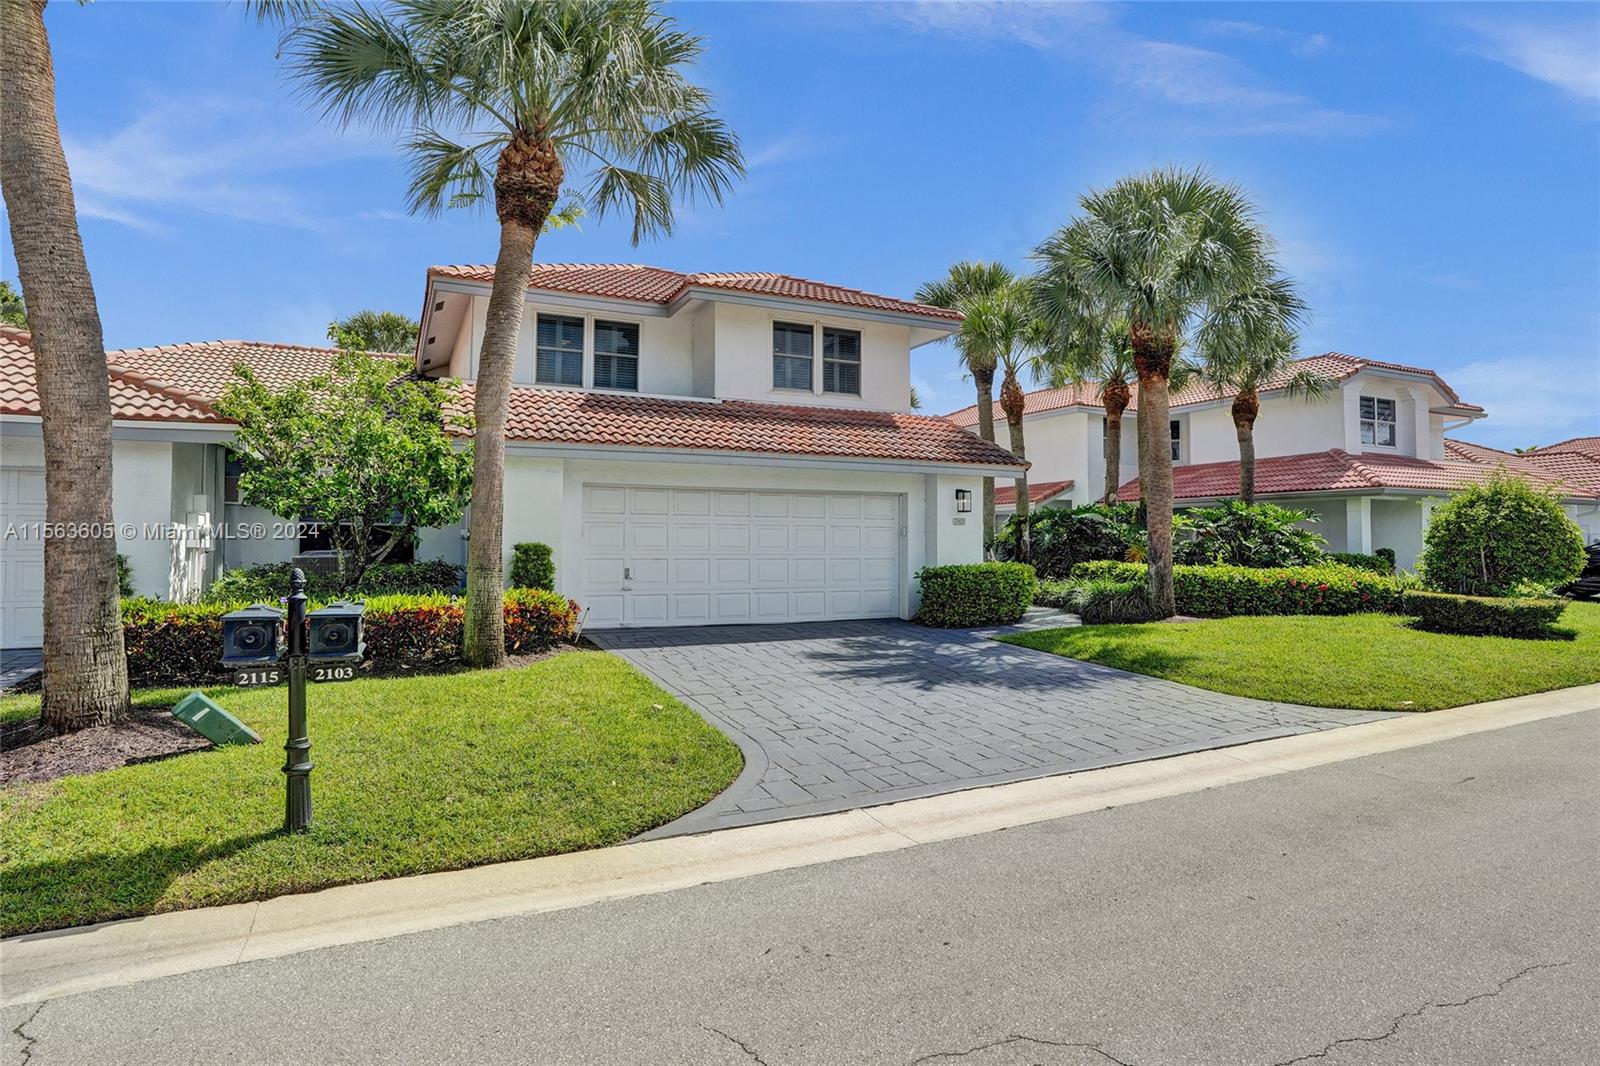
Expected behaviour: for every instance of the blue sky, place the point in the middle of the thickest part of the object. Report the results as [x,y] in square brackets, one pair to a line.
[1432,172]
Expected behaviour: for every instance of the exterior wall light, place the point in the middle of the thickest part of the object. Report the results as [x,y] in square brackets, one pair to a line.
[963,501]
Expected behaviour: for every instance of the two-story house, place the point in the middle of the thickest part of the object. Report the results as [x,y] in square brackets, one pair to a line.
[1368,455]
[696,448]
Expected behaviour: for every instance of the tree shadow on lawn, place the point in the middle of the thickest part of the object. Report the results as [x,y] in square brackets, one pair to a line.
[1547,633]
[97,888]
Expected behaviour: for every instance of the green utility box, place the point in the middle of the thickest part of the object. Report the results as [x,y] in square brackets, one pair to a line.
[205,717]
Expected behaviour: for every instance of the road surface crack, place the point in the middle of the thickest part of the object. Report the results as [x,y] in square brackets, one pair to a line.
[1022,1038]
[28,1041]
[755,1056]
[1394,1026]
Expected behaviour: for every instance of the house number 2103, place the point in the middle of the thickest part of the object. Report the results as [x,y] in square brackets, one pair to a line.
[334,672]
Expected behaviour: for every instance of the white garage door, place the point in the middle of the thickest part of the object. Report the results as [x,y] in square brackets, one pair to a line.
[21,558]
[664,557]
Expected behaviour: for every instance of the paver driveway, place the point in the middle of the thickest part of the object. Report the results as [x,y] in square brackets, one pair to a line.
[834,715]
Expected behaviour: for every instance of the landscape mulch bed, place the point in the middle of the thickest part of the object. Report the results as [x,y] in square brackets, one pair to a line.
[31,752]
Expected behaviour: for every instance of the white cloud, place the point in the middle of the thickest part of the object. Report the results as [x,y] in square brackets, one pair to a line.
[1301,44]
[1566,55]
[792,146]
[1532,399]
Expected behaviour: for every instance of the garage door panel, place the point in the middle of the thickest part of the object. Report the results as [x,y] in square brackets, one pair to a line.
[671,556]
[22,559]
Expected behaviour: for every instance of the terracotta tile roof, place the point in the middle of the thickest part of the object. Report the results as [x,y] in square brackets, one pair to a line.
[1338,471]
[132,396]
[567,416]
[647,284]
[1038,492]
[1589,446]
[1574,467]
[203,369]
[1333,365]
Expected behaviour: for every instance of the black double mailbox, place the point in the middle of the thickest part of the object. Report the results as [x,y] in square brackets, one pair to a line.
[254,643]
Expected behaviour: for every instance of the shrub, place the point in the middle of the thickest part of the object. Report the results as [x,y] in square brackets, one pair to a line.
[532,567]
[1220,591]
[1448,612]
[124,576]
[1064,536]
[1105,601]
[170,643]
[1052,593]
[975,594]
[1488,538]
[1244,534]
[269,582]
[1376,562]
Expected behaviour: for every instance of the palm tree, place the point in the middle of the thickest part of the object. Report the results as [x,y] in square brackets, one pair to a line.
[965,282]
[1002,327]
[374,331]
[85,667]
[1248,344]
[1085,349]
[591,94]
[1162,251]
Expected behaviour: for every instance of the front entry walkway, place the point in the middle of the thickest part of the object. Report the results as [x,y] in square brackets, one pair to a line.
[835,715]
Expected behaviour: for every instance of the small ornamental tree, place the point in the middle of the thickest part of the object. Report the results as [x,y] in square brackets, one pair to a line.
[365,451]
[1489,539]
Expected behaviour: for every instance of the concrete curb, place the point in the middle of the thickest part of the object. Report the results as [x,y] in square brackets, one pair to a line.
[43,966]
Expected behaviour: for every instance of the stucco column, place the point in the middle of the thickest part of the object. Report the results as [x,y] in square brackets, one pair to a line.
[1358,524]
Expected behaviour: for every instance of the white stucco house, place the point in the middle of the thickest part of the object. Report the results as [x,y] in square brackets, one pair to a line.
[696,448]
[1369,456]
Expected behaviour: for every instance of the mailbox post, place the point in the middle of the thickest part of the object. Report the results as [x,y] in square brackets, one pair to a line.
[297,766]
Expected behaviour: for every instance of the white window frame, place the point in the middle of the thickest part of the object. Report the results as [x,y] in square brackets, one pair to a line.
[772,366]
[1377,419]
[819,343]
[1175,434]
[584,345]
[590,331]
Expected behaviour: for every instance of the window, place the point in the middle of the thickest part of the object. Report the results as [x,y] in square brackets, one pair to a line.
[791,356]
[616,355]
[1105,435]
[1377,421]
[1177,441]
[559,358]
[841,361]
[233,469]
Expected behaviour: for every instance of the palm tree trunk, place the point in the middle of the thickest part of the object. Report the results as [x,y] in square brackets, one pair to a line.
[1013,402]
[85,665]
[1152,357]
[1246,406]
[984,379]
[1114,397]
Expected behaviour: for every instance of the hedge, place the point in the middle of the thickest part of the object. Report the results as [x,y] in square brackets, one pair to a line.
[269,582]
[1488,539]
[532,567]
[975,594]
[1377,562]
[1107,601]
[1220,591]
[1448,612]
[170,643]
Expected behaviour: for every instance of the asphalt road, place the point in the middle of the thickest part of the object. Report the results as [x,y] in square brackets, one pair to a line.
[1434,905]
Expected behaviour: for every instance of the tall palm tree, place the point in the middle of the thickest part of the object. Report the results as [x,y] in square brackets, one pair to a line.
[1003,328]
[1084,348]
[85,667]
[1163,251]
[587,95]
[965,282]
[1248,344]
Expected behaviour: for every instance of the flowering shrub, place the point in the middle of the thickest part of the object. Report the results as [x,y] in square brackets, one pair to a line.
[171,643]
[1220,591]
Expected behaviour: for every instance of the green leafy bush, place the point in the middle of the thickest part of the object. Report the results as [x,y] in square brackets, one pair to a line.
[532,567]
[1105,601]
[170,643]
[1050,592]
[1387,555]
[1220,591]
[1376,562]
[1487,539]
[1448,612]
[1064,536]
[124,576]
[269,582]
[1246,534]
[975,594]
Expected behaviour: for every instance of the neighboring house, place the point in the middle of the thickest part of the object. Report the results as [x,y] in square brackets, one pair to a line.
[1369,456]
[1040,494]
[702,448]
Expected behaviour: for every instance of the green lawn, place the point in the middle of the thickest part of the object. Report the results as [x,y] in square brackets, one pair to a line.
[412,774]
[1366,661]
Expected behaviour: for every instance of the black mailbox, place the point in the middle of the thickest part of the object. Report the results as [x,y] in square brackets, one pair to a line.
[252,636]
[336,633]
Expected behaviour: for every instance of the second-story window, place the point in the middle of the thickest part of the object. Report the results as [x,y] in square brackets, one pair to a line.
[841,361]
[616,355]
[791,356]
[559,359]
[1377,421]
[1177,441]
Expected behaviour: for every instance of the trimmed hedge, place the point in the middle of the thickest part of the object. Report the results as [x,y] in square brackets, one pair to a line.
[532,567]
[170,643]
[1221,591]
[1106,601]
[975,594]
[1377,562]
[1482,616]
[269,582]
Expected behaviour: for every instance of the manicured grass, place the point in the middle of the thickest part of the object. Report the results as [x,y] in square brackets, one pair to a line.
[412,774]
[1366,661]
